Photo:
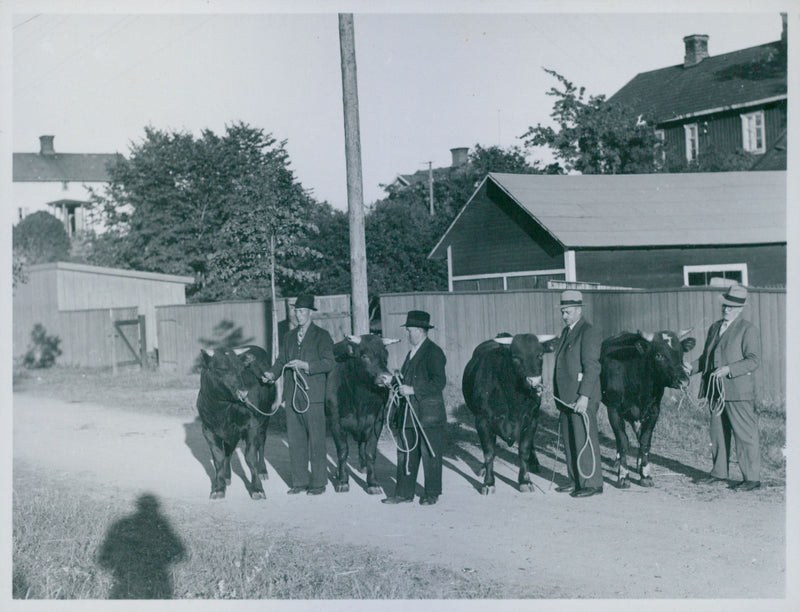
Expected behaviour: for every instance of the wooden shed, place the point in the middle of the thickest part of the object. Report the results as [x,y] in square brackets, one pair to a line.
[55,288]
[519,231]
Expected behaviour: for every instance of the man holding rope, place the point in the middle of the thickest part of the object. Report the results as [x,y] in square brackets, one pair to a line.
[422,425]
[305,358]
[730,357]
[576,388]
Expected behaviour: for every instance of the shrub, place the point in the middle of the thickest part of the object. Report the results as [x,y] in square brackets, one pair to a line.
[42,238]
[43,350]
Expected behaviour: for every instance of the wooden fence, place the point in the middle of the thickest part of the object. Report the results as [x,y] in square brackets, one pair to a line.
[185,329]
[90,339]
[464,320]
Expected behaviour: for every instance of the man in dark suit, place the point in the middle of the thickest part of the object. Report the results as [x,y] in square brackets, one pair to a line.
[305,358]
[730,357]
[423,382]
[576,386]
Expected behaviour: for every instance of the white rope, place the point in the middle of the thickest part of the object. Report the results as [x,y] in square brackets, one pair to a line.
[408,414]
[587,444]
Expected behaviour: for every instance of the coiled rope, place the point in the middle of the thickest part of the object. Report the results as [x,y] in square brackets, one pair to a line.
[409,416]
[301,383]
[587,444]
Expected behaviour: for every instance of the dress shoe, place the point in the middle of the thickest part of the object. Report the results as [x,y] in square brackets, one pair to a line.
[428,501]
[565,488]
[397,500]
[710,479]
[587,492]
[315,491]
[747,485]
[296,490]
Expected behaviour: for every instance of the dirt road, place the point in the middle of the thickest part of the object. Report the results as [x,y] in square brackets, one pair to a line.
[677,540]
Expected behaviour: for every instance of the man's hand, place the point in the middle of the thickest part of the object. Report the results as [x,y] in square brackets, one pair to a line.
[582,404]
[406,390]
[721,372]
[268,377]
[298,364]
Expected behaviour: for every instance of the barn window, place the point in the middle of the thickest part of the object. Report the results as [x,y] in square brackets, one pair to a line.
[692,142]
[753,139]
[715,275]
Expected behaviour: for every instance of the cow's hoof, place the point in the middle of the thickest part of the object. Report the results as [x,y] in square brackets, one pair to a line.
[375,490]
[342,487]
[485,489]
[228,481]
[264,476]
[258,495]
[646,481]
[217,495]
[624,484]
[526,487]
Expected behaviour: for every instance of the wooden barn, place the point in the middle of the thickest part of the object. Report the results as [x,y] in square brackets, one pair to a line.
[523,231]
[65,296]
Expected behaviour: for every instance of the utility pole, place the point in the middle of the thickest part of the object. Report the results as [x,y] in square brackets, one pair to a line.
[359,301]
[430,185]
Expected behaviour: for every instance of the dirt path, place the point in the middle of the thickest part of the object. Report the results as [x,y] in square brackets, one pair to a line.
[678,540]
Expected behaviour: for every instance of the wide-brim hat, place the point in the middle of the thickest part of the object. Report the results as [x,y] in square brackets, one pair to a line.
[418,318]
[305,301]
[571,297]
[736,296]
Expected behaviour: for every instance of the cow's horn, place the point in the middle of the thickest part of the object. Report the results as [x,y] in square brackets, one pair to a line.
[388,341]
[685,332]
[505,339]
[354,339]
[239,351]
[209,352]
[545,337]
[647,335]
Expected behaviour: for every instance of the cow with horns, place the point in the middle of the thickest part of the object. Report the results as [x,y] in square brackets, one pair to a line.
[355,398]
[635,370]
[502,387]
[235,405]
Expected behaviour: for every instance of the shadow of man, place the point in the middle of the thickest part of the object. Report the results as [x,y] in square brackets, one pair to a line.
[138,550]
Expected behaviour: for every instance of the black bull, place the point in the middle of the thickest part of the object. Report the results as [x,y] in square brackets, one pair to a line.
[635,370]
[502,387]
[355,401]
[234,405]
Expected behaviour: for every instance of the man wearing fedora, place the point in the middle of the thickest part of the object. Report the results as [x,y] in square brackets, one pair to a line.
[730,357]
[306,356]
[423,382]
[576,387]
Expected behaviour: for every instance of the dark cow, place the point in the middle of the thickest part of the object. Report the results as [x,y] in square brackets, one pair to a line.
[355,398]
[234,405]
[502,387]
[635,370]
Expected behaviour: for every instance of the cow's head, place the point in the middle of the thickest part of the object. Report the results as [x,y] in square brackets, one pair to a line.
[664,351]
[527,354]
[370,357]
[223,371]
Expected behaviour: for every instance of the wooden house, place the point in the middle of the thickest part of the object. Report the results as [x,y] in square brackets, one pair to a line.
[526,231]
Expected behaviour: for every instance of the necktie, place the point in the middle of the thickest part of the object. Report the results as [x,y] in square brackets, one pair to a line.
[723,327]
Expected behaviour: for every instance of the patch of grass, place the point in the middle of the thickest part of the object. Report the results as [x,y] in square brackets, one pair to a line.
[59,531]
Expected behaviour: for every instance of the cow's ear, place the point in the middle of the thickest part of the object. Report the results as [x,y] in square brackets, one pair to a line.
[343,350]
[388,341]
[206,354]
[688,344]
[550,345]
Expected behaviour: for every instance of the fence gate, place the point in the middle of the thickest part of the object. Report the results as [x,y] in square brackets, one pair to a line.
[134,340]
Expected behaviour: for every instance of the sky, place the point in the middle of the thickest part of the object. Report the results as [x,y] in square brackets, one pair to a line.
[427,81]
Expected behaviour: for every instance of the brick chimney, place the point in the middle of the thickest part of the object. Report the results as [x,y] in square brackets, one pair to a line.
[459,156]
[46,145]
[696,49]
[784,34]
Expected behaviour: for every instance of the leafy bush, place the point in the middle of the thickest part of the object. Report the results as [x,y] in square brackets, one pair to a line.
[44,349]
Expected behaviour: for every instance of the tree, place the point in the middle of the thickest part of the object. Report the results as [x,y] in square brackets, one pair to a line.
[18,273]
[41,238]
[206,206]
[594,136]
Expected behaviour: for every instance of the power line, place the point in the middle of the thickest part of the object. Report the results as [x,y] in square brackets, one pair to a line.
[26,21]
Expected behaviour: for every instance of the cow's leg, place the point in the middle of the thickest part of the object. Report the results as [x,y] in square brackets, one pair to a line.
[215,445]
[645,437]
[370,448]
[342,451]
[533,460]
[251,457]
[621,438]
[261,440]
[488,440]
[525,452]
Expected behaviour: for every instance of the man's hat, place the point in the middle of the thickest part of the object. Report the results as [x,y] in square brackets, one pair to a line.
[571,297]
[418,318]
[735,296]
[304,301]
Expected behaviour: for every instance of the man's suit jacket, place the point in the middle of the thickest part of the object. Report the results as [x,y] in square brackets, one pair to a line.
[577,364]
[317,350]
[739,348]
[425,372]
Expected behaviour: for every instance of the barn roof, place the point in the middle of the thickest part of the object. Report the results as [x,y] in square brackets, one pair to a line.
[642,210]
[155,276]
[62,167]
[731,80]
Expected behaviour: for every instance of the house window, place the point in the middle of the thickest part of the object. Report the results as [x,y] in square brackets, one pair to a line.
[715,275]
[753,139]
[692,143]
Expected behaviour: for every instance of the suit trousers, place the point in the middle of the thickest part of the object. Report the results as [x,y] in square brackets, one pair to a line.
[573,430]
[739,418]
[431,465]
[306,433]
